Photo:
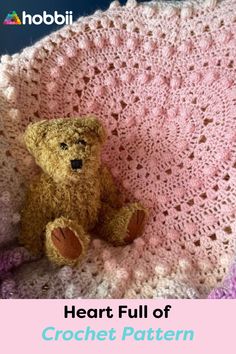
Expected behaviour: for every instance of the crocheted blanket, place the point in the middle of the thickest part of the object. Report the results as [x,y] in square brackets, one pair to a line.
[161,77]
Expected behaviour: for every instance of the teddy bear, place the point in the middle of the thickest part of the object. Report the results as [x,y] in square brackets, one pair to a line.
[74,197]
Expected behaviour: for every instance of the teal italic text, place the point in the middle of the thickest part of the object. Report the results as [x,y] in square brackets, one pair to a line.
[127,333]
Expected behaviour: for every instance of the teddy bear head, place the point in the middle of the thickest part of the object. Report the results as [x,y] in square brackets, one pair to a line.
[66,149]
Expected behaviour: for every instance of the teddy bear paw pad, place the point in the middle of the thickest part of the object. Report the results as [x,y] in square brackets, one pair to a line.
[66,243]
[136,226]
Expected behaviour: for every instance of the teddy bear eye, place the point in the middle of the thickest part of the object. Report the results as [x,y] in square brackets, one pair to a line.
[63,146]
[81,142]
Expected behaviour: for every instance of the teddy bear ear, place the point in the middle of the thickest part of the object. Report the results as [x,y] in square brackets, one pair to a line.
[94,126]
[34,134]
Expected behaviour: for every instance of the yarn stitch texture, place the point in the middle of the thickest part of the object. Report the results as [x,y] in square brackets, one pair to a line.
[161,77]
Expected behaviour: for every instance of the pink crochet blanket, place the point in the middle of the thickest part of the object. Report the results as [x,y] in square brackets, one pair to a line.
[162,80]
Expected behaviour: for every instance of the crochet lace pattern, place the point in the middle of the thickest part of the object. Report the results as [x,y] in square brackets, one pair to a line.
[161,77]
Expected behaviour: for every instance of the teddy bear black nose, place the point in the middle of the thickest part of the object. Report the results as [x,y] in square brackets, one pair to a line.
[76,164]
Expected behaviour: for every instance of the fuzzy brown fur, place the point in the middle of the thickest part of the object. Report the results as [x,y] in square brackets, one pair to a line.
[74,196]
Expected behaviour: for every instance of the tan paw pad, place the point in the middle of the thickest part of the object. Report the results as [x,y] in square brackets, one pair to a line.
[66,243]
[136,226]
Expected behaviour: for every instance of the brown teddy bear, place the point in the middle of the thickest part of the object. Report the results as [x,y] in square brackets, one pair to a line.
[74,197]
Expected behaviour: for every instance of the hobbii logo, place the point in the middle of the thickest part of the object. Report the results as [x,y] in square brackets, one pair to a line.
[37,19]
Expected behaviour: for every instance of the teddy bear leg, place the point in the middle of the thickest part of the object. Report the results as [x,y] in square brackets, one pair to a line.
[124,225]
[66,242]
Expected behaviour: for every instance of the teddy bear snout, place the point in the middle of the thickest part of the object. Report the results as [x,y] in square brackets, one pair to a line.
[76,164]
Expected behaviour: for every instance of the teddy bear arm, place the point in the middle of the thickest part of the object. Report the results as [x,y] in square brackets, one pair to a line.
[109,191]
[34,218]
